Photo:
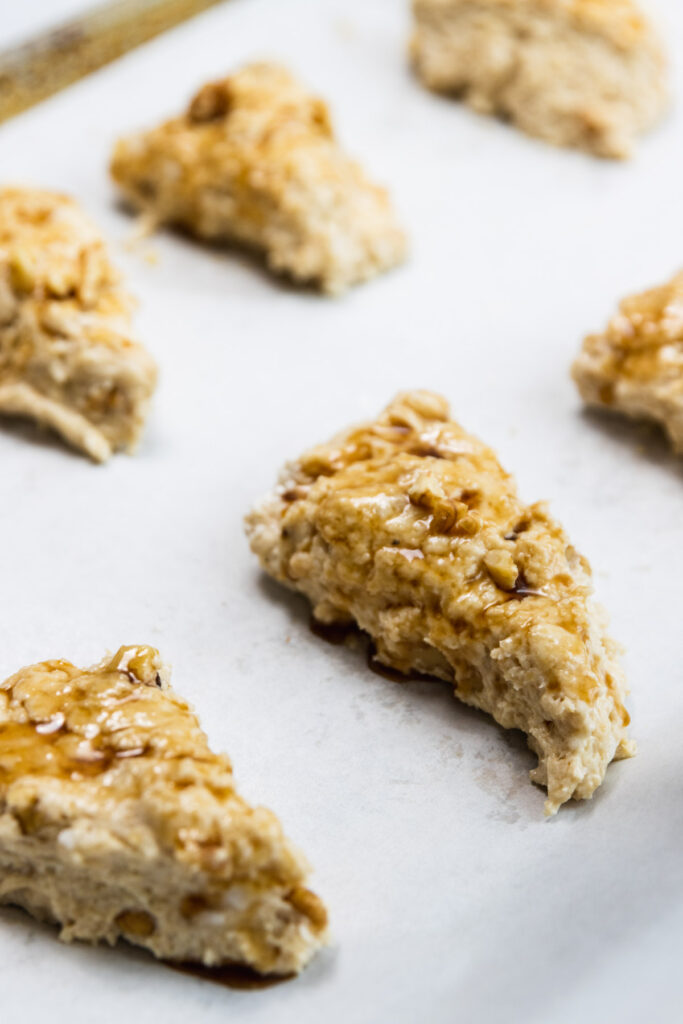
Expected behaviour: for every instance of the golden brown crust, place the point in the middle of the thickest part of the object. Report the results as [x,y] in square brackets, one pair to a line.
[254,161]
[409,527]
[636,365]
[116,819]
[66,356]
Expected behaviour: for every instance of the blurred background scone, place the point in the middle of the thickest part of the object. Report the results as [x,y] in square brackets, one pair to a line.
[584,73]
[67,359]
[635,366]
[254,161]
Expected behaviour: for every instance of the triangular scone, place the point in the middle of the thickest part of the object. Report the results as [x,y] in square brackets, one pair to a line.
[117,820]
[410,528]
[254,161]
[583,73]
[66,356]
[636,366]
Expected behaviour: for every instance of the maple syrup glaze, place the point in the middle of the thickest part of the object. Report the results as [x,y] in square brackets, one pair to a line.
[76,724]
[522,589]
[335,633]
[233,976]
[24,751]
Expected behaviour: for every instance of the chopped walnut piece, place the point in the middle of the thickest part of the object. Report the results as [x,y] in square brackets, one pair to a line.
[135,924]
[426,492]
[502,568]
[213,101]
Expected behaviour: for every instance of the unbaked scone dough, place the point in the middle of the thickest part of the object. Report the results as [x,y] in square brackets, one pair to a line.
[409,527]
[118,821]
[66,356]
[254,160]
[636,366]
[583,73]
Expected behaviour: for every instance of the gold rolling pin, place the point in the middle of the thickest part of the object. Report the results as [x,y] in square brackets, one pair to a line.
[42,66]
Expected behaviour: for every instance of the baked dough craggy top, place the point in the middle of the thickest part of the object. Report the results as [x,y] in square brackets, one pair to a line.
[66,355]
[591,74]
[49,249]
[644,341]
[410,527]
[621,22]
[112,767]
[254,160]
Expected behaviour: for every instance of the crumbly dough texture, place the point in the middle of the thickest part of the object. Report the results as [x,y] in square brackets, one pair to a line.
[66,356]
[117,821]
[636,366]
[410,528]
[254,161]
[584,73]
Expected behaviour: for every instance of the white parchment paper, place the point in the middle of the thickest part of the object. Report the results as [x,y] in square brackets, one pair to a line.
[451,898]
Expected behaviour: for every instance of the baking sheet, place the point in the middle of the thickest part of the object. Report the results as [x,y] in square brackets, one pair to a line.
[451,898]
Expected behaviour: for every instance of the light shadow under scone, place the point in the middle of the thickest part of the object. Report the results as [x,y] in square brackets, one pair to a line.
[584,73]
[118,821]
[254,161]
[635,366]
[67,360]
[409,527]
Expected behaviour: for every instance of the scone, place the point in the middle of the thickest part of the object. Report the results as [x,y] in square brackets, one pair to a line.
[118,821]
[254,161]
[410,528]
[66,356]
[636,366]
[583,73]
